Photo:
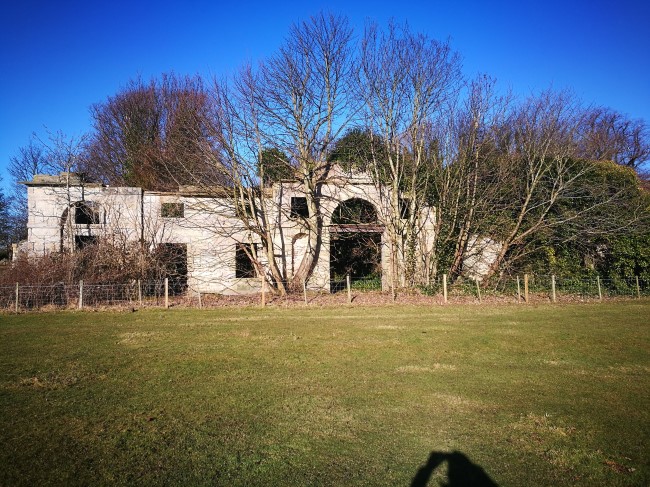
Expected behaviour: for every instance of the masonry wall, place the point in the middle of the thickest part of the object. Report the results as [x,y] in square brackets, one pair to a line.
[208,227]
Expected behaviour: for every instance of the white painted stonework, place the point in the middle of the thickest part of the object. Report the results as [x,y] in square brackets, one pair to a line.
[208,227]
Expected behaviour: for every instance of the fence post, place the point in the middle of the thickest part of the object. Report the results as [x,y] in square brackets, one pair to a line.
[444,288]
[518,291]
[81,294]
[166,292]
[526,288]
[349,289]
[304,289]
[263,291]
[200,303]
[638,288]
[478,290]
[553,287]
[140,292]
[16,297]
[600,293]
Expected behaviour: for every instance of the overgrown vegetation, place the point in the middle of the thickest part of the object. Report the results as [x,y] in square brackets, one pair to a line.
[356,396]
[101,262]
[551,184]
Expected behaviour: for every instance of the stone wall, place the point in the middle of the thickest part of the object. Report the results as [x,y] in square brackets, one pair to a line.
[207,226]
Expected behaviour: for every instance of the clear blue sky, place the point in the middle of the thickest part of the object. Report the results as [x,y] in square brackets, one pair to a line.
[59,57]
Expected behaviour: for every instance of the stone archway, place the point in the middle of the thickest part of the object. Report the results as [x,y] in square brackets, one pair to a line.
[355,242]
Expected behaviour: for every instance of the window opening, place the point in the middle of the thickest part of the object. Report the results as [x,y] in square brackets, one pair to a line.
[299,208]
[172,210]
[354,211]
[244,210]
[85,214]
[244,265]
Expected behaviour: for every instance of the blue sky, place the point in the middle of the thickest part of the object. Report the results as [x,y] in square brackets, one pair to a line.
[58,58]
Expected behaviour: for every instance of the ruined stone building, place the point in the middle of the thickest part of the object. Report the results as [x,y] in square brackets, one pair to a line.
[65,213]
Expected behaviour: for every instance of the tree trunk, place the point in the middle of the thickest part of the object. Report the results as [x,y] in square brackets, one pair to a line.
[315,237]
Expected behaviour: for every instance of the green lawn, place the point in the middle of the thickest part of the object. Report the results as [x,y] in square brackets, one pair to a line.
[514,395]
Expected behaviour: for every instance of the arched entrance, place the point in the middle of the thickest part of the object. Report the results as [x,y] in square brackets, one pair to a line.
[355,243]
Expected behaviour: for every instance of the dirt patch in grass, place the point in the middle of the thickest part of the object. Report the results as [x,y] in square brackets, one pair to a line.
[140,337]
[58,379]
[415,369]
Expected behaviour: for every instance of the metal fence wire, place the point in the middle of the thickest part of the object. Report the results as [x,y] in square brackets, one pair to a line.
[23,297]
[60,295]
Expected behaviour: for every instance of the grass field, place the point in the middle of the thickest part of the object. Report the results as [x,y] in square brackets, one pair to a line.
[404,395]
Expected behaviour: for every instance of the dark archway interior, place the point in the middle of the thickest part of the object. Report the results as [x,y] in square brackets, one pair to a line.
[172,258]
[357,254]
[355,246]
[354,211]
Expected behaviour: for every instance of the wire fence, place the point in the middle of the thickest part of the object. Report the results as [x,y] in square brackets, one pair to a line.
[60,295]
[165,293]
[546,286]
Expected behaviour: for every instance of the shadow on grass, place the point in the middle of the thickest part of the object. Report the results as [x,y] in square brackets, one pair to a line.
[461,472]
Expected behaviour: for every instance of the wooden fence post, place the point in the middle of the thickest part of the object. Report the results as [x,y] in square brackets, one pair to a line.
[638,288]
[444,288]
[526,288]
[17,298]
[478,290]
[304,289]
[81,294]
[166,292]
[553,288]
[263,291]
[199,295]
[518,291]
[600,292]
[140,292]
[349,289]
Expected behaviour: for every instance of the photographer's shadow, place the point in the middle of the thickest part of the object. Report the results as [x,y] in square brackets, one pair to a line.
[461,472]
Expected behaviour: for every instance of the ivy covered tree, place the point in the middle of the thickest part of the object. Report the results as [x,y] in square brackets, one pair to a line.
[358,149]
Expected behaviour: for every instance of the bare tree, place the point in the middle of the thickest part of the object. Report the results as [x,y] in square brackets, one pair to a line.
[152,135]
[296,103]
[610,135]
[407,82]
[30,159]
[513,178]
[465,183]
[540,173]
[6,232]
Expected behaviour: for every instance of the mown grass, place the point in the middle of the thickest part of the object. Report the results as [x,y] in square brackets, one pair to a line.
[544,395]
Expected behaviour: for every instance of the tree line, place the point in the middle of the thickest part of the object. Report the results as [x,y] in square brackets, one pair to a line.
[548,183]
